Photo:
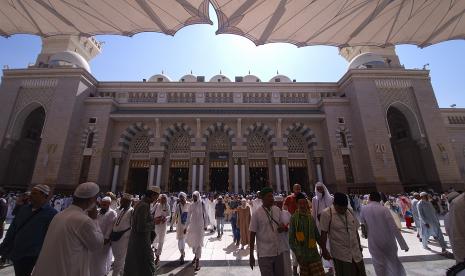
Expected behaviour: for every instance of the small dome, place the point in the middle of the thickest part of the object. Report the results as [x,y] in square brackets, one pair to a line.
[367,60]
[280,78]
[220,78]
[188,78]
[159,78]
[68,58]
[251,78]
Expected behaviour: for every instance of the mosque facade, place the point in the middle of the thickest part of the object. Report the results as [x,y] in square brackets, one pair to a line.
[378,128]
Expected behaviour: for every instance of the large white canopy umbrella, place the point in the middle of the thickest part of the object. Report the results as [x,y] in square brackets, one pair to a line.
[343,22]
[92,17]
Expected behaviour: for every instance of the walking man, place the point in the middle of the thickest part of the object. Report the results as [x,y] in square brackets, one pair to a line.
[416,218]
[220,207]
[340,226]
[265,227]
[120,234]
[139,257]
[382,233]
[161,216]
[182,211]
[429,223]
[26,234]
[197,223]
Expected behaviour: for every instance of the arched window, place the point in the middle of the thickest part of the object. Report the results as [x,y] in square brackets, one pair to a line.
[180,143]
[257,143]
[218,142]
[295,143]
[343,139]
[140,143]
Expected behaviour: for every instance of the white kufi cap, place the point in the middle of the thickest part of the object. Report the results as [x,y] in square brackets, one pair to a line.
[42,188]
[86,190]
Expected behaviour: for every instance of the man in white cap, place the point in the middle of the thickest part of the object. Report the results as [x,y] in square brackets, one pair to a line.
[120,234]
[74,233]
[139,257]
[182,211]
[26,233]
[101,259]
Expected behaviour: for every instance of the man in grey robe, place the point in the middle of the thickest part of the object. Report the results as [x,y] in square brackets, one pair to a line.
[139,257]
[429,223]
[416,218]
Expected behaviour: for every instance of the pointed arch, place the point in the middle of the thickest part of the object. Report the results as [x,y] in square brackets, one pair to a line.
[412,119]
[128,135]
[85,135]
[306,132]
[264,129]
[171,131]
[343,137]
[221,127]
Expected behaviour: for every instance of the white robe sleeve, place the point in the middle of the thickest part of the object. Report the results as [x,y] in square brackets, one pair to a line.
[91,235]
[393,228]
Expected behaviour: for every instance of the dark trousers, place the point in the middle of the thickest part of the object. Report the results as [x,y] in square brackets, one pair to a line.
[24,266]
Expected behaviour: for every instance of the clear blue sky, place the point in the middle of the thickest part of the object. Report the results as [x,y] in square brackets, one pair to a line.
[197,48]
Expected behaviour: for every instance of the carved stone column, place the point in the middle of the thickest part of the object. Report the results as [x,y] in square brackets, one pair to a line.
[114,181]
[277,174]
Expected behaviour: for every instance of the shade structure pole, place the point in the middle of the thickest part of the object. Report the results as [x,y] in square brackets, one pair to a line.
[114,181]
[278,178]
[236,178]
[201,178]
[158,175]
[194,177]
[285,178]
[151,175]
[243,178]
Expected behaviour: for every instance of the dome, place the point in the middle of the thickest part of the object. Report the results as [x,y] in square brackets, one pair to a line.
[220,78]
[159,78]
[367,60]
[280,78]
[188,78]
[251,78]
[68,58]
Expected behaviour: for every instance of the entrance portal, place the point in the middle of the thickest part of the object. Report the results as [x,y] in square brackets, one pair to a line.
[138,176]
[258,171]
[415,164]
[178,176]
[298,174]
[24,154]
[219,176]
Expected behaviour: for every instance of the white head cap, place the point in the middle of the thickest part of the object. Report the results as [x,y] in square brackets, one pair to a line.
[42,188]
[86,190]
[127,196]
[423,194]
[107,199]
[155,189]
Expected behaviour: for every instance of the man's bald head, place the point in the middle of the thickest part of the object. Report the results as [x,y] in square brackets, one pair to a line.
[296,188]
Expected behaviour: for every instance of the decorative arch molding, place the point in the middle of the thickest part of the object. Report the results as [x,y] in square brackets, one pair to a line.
[219,126]
[128,135]
[263,128]
[412,119]
[85,135]
[18,122]
[173,129]
[343,130]
[306,132]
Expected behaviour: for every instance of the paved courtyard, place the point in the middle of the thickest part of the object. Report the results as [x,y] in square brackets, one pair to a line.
[223,258]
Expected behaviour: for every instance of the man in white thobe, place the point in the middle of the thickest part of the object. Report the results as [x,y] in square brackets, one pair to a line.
[429,223]
[382,234]
[457,229]
[122,225]
[161,215]
[197,222]
[416,218]
[71,237]
[322,200]
[211,202]
[182,211]
[100,262]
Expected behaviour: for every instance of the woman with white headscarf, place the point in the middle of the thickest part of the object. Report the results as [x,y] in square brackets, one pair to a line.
[197,223]
[161,215]
[322,200]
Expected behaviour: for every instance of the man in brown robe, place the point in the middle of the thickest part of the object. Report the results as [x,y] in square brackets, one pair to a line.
[139,257]
[243,221]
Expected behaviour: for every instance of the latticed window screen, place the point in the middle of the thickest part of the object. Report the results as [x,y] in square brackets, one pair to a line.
[180,143]
[296,143]
[256,143]
[140,144]
[219,141]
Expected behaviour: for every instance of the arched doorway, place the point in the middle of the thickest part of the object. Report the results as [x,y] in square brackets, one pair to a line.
[298,167]
[219,147]
[178,158]
[413,156]
[24,154]
[139,163]
[259,151]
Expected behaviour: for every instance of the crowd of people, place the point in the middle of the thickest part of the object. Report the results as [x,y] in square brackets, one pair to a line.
[90,233]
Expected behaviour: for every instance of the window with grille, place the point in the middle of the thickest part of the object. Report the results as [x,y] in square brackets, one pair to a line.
[180,143]
[295,143]
[140,143]
[218,142]
[257,143]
